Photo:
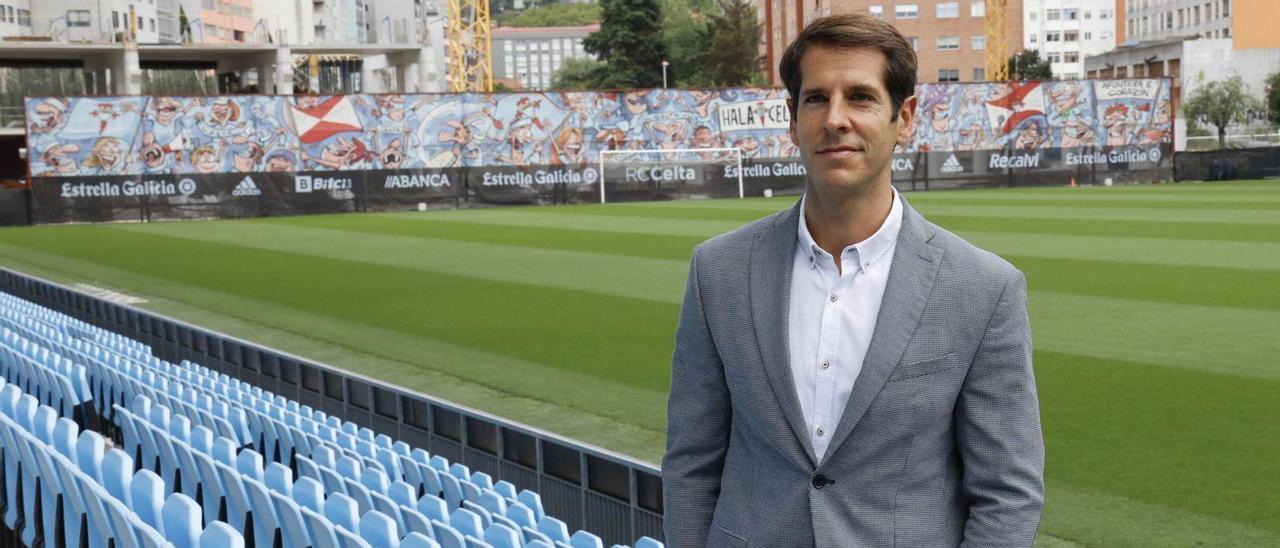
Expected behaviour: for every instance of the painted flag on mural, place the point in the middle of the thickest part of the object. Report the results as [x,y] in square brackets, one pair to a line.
[315,120]
[92,118]
[1023,101]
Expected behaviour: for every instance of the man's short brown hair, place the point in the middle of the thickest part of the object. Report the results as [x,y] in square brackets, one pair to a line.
[853,31]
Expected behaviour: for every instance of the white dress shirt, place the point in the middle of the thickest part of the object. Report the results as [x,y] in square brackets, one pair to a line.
[832,316]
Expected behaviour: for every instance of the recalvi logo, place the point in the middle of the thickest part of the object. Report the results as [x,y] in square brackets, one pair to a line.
[308,183]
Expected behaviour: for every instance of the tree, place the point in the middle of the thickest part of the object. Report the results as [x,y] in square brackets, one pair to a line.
[1028,65]
[1221,103]
[577,73]
[630,43]
[553,15]
[684,31]
[1273,98]
[184,26]
[733,46]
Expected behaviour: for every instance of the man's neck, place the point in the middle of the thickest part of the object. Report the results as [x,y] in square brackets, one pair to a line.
[839,221]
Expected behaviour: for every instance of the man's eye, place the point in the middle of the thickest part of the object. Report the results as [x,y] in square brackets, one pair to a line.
[814,99]
[862,97]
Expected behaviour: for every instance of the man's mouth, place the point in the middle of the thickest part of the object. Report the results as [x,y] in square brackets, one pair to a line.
[839,152]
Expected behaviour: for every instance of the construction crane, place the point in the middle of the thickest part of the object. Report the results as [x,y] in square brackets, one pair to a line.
[470,53]
[996,28]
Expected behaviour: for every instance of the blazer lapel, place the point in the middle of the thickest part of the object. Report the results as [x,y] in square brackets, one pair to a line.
[915,264]
[772,253]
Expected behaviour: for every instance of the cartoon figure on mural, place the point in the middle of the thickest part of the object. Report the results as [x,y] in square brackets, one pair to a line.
[522,147]
[281,161]
[1116,120]
[107,113]
[937,113]
[164,134]
[49,115]
[342,154]
[57,160]
[569,147]
[1159,130]
[1031,134]
[107,157]
[1071,115]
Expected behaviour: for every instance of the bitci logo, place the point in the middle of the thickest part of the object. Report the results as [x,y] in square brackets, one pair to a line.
[302,183]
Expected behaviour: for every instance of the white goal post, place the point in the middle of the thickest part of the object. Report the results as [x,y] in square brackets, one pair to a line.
[664,155]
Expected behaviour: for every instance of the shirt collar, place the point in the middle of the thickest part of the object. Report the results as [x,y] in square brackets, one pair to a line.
[870,250]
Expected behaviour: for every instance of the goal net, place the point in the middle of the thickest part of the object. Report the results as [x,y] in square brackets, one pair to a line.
[656,174]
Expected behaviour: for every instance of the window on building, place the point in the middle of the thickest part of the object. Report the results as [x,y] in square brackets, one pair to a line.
[1168,20]
[1105,35]
[1052,15]
[1226,8]
[1070,14]
[948,10]
[1032,38]
[1071,36]
[115,19]
[1053,57]
[979,74]
[1196,19]
[906,11]
[1088,35]
[1054,36]
[1071,57]
[877,10]
[978,9]
[977,42]
[948,43]
[1088,15]
[1104,14]
[1033,15]
[948,75]
[24,17]
[915,43]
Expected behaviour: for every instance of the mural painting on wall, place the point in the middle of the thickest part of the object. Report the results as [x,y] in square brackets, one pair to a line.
[96,136]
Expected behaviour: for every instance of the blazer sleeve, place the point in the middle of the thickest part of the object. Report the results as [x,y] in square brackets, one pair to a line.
[998,429]
[698,424]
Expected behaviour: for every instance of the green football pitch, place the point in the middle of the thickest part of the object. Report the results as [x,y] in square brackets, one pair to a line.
[1155,310]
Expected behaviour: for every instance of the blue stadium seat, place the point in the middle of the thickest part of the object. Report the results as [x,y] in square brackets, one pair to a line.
[493,502]
[533,501]
[418,540]
[466,522]
[65,433]
[440,464]
[212,494]
[319,529]
[266,522]
[538,544]
[501,536]
[375,480]
[402,493]
[292,528]
[279,478]
[309,493]
[221,535]
[433,507]
[522,515]
[646,542]
[486,519]
[555,529]
[348,539]
[183,522]
[476,542]
[89,449]
[224,451]
[452,491]
[583,539]
[384,504]
[359,493]
[146,492]
[342,511]
[379,530]
[482,480]
[414,521]
[249,463]
[235,498]
[532,535]
[505,488]
[42,424]
[447,536]
[117,474]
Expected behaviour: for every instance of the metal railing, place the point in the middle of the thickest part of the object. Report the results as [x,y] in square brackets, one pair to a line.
[611,495]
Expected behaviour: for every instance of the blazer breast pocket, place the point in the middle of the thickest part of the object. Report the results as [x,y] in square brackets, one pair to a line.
[720,537]
[921,368]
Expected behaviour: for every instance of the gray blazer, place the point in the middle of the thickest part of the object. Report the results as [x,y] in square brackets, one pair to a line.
[940,443]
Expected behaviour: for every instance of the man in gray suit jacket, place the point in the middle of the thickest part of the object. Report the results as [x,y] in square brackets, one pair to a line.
[846,373]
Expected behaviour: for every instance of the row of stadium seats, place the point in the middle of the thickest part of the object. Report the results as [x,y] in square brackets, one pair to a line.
[246,460]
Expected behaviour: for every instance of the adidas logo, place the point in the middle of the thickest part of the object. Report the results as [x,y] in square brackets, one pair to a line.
[246,188]
[952,165]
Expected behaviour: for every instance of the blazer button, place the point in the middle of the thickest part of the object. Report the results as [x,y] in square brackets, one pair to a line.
[820,481]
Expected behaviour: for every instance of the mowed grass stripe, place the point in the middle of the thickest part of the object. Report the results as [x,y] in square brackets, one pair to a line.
[643,245]
[1235,232]
[1181,438]
[1154,251]
[604,274]
[528,218]
[1207,338]
[600,335]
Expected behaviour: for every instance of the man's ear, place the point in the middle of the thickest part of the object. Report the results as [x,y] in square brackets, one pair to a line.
[906,120]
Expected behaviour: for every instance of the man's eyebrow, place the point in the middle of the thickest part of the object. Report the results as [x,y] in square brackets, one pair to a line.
[855,88]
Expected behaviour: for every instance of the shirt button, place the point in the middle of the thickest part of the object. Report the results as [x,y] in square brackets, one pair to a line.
[834,298]
[821,432]
[826,364]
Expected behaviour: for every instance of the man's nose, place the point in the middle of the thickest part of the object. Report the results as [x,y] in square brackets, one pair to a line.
[837,116]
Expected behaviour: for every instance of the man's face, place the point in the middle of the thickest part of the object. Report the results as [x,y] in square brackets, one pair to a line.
[279,164]
[843,121]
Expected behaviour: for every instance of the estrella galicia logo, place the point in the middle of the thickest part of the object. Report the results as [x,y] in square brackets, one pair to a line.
[590,175]
[187,187]
[1154,155]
